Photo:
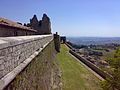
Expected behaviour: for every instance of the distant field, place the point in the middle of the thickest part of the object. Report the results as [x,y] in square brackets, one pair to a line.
[74,75]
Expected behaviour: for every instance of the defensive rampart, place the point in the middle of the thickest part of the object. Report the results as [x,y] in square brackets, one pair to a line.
[17,52]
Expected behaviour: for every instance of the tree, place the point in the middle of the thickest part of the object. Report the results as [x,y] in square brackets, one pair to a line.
[113,83]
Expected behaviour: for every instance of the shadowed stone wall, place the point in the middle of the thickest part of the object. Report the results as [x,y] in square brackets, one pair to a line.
[57,42]
[7,31]
[42,26]
[9,28]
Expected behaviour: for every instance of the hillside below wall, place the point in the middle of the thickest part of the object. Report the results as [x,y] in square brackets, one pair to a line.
[41,74]
[17,52]
[91,65]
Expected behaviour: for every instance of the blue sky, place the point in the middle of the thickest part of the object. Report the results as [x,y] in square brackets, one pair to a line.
[69,17]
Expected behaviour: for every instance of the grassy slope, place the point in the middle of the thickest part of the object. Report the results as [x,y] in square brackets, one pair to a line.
[74,75]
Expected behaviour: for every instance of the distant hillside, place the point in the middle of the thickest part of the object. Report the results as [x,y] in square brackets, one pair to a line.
[93,40]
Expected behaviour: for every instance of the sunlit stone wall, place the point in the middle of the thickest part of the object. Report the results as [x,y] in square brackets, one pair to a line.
[14,50]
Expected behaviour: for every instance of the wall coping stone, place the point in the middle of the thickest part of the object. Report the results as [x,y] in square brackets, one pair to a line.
[12,41]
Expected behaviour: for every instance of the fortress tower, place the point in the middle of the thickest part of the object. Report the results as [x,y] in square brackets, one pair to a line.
[34,23]
[42,26]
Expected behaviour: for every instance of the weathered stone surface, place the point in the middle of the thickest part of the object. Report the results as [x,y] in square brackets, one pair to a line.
[42,26]
[42,73]
[9,28]
[14,50]
[34,22]
[45,25]
[1,74]
[57,42]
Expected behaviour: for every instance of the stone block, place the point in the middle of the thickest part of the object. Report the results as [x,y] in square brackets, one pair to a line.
[2,66]
[1,73]
[3,52]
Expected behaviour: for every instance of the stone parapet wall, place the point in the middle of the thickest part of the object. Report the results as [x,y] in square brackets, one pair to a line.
[14,50]
[8,31]
[42,73]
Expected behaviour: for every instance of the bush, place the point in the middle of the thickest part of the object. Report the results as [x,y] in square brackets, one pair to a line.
[114,82]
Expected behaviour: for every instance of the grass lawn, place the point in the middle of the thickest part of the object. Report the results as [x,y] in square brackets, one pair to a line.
[74,75]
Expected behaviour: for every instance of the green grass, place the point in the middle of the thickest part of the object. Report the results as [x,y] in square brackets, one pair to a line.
[74,75]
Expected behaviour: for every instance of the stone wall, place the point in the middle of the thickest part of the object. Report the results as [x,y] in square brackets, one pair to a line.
[7,31]
[42,26]
[91,65]
[35,27]
[57,42]
[63,39]
[42,73]
[15,51]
